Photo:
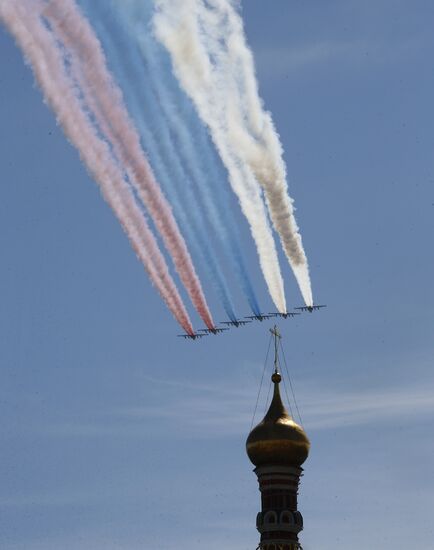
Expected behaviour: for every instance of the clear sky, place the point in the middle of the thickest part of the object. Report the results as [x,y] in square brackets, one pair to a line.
[115,434]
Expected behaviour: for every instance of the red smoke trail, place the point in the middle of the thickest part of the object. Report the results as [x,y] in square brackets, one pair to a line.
[40,50]
[96,80]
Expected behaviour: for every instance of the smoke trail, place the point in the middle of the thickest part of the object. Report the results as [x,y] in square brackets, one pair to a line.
[110,111]
[191,141]
[177,28]
[251,127]
[39,48]
[160,147]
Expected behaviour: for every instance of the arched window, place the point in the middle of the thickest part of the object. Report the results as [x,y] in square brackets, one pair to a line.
[286,517]
[270,517]
[298,518]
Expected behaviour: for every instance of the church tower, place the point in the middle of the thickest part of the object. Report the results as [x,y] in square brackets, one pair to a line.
[278,447]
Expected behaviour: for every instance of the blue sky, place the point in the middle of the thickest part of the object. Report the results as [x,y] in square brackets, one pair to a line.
[117,435]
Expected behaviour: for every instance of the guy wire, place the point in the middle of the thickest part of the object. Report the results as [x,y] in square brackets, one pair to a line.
[286,393]
[260,385]
[291,386]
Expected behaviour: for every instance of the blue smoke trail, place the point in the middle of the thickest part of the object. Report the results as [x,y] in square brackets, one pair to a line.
[158,145]
[197,156]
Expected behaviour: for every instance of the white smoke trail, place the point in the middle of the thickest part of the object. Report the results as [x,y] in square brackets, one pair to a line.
[220,55]
[40,50]
[177,28]
[86,52]
[253,130]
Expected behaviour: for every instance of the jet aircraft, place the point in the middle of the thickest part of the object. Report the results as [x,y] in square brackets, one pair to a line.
[259,317]
[236,323]
[284,315]
[309,308]
[214,330]
[191,336]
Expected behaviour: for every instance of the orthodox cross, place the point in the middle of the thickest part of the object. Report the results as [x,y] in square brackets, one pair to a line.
[275,332]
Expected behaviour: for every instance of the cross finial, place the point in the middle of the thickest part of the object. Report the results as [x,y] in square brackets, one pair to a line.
[275,332]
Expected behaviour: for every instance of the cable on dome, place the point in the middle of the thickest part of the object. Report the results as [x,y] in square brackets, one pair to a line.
[260,386]
[268,395]
[291,386]
[286,391]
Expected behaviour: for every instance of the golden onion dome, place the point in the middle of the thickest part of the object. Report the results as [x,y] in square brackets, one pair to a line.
[277,439]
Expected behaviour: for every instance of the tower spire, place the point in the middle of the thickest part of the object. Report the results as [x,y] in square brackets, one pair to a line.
[277,447]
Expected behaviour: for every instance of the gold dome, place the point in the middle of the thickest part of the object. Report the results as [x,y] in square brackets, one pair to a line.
[277,439]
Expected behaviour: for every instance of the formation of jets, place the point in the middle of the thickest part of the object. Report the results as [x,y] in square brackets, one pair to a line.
[240,322]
